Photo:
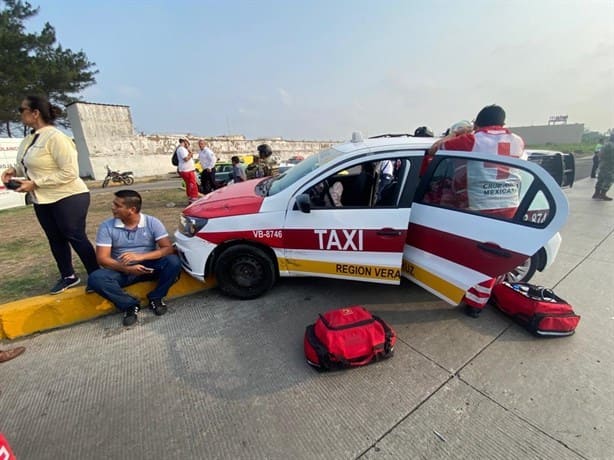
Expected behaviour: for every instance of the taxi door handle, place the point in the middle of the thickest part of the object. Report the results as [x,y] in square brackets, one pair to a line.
[494,249]
[388,232]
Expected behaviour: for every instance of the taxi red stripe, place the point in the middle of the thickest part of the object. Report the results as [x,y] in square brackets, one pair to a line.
[461,250]
[310,239]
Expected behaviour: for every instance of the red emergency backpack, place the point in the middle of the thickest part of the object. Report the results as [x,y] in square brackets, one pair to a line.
[539,309]
[348,337]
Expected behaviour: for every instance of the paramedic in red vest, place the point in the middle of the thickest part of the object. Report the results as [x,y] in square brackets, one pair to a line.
[489,137]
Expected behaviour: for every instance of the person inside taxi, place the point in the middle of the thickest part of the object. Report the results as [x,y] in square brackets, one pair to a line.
[324,195]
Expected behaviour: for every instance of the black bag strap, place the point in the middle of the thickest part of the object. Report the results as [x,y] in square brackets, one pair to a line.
[25,152]
[388,334]
[319,348]
[537,292]
[346,326]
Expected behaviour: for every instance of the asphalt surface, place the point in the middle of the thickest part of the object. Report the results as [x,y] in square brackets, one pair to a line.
[219,378]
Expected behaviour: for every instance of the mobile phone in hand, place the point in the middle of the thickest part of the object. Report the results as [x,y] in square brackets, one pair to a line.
[148,270]
[14,183]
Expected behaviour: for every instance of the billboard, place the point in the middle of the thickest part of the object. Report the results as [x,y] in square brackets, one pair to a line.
[8,157]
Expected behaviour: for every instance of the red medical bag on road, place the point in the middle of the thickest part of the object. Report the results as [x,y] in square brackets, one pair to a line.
[539,309]
[348,337]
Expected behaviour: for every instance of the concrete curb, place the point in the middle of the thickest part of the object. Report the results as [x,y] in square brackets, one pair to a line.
[45,312]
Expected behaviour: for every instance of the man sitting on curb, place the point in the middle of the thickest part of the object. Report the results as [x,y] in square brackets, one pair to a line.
[133,247]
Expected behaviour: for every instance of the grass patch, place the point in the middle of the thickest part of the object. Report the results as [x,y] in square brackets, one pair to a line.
[26,263]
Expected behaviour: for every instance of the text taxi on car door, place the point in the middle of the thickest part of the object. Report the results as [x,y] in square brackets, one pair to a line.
[346,213]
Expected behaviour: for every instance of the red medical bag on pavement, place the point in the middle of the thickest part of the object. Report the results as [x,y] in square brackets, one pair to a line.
[348,337]
[539,309]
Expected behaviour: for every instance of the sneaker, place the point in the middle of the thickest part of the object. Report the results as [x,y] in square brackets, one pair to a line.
[604,197]
[130,316]
[65,283]
[158,306]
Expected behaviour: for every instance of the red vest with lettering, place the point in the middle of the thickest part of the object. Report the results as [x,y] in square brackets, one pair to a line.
[485,186]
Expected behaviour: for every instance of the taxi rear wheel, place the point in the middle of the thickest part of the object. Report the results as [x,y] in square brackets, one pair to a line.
[245,272]
[525,271]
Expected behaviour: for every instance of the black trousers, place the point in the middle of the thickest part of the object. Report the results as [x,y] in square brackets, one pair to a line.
[207,181]
[64,225]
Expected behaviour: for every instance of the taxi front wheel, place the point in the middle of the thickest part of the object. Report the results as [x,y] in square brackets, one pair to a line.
[245,272]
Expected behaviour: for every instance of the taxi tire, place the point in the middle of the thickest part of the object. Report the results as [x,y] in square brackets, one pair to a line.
[249,260]
[524,272]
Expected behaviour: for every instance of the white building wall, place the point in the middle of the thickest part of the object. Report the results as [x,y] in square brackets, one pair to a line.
[104,134]
[551,134]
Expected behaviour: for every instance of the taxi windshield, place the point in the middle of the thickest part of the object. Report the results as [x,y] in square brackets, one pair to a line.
[301,169]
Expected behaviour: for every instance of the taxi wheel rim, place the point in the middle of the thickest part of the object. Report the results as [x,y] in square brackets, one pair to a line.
[519,272]
[247,271]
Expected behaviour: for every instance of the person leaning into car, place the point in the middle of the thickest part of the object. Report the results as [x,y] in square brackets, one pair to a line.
[47,161]
[490,136]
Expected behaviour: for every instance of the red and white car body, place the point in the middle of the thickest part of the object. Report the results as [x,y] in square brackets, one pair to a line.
[250,233]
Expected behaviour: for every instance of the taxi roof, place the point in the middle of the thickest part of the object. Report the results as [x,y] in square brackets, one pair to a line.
[386,143]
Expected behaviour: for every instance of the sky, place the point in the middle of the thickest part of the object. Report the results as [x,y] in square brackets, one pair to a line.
[321,69]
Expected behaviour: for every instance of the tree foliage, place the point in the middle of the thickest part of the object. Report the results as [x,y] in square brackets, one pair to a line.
[33,63]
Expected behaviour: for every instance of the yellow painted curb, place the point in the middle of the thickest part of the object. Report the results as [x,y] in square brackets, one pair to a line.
[41,313]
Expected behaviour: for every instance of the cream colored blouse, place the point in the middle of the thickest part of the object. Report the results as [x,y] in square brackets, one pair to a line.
[49,158]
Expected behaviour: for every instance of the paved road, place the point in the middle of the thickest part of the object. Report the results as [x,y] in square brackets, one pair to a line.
[219,378]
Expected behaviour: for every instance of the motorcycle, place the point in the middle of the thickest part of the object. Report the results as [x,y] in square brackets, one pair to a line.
[115,176]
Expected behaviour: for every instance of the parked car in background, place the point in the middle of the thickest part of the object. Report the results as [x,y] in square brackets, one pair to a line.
[560,165]
[223,173]
[290,162]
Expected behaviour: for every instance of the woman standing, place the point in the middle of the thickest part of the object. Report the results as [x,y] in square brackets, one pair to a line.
[49,170]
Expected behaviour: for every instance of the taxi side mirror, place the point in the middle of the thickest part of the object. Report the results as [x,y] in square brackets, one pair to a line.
[303,203]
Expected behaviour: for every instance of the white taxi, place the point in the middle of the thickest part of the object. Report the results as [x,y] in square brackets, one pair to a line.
[347,213]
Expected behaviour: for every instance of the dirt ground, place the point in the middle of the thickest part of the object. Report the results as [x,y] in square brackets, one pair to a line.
[26,263]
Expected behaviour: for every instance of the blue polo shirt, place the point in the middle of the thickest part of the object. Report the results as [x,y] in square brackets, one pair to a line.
[114,234]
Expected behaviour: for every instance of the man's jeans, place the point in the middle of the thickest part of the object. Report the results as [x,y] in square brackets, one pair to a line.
[109,283]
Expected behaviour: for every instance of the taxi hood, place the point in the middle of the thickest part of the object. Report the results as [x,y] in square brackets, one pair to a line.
[233,200]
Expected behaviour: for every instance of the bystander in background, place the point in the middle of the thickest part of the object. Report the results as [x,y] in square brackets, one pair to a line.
[207,160]
[238,173]
[605,175]
[186,169]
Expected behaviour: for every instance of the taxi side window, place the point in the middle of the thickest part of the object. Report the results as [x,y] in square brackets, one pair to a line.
[488,188]
[371,184]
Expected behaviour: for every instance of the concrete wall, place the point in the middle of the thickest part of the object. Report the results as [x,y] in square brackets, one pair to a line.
[104,134]
[553,134]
